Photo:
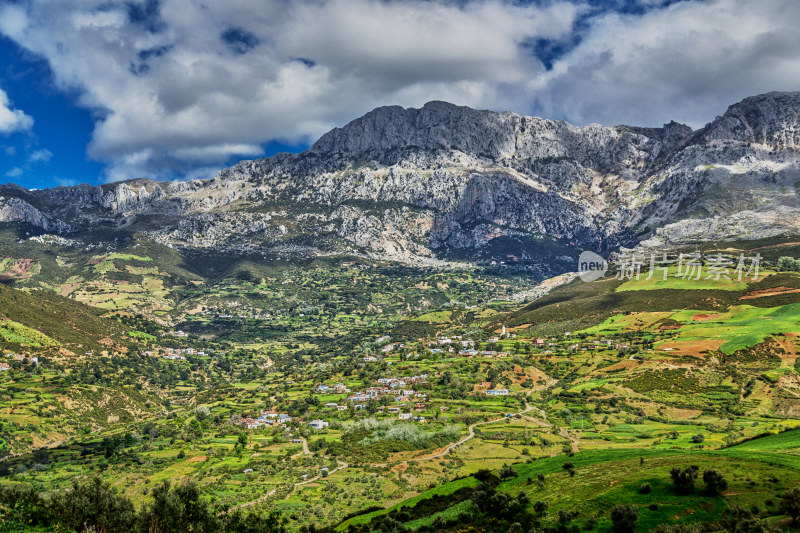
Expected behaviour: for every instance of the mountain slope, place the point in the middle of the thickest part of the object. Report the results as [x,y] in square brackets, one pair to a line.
[449,182]
[41,320]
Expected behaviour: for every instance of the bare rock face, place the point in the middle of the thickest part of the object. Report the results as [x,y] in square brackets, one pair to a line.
[420,185]
[770,120]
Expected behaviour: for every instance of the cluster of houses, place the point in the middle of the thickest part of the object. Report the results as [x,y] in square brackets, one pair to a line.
[484,353]
[598,344]
[338,388]
[267,419]
[395,387]
[276,419]
[175,354]
[17,357]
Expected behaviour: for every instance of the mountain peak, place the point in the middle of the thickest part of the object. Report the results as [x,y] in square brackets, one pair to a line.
[772,119]
[437,125]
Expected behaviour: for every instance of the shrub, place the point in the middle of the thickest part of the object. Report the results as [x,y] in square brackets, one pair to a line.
[540,508]
[788,263]
[684,479]
[507,472]
[624,518]
[790,504]
[715,482]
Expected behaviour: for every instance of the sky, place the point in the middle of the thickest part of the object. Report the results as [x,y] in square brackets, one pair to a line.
[95,91]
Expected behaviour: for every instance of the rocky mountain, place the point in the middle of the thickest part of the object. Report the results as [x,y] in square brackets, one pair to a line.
[446,182]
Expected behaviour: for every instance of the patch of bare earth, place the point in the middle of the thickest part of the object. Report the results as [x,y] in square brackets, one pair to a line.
[775,291]
[789,357]
[696,348]
[702,317]
[20,270]
[622,365]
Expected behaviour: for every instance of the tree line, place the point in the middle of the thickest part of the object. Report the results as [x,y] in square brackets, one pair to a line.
[94,505]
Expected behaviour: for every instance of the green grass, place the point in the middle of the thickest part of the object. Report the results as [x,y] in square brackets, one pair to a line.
[17,333]
[657,281]
[744,326]
[442,490]
[787,440]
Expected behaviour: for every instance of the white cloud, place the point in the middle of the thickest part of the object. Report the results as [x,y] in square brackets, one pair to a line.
[43,155]
[686,62]
[221,78]
[179,90]
[15,172]
[12,120]
[65,182]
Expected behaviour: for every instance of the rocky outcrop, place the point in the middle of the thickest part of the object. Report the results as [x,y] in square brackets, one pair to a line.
[445,181]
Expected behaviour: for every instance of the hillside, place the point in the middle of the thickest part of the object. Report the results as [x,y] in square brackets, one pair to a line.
[40,320]
[452,183]
[355,338]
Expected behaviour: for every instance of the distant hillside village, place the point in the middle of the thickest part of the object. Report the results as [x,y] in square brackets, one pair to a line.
[18,360]
[405,398]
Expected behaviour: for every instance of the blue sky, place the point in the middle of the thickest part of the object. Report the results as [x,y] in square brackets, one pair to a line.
[97,91]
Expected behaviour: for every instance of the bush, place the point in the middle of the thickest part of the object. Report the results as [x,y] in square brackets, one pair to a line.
[790,504]
[507,472]
[788,263]
[624,518]
[684,479]
[540,508]
[645,489]
[699,438]
[202,412]
[715,482]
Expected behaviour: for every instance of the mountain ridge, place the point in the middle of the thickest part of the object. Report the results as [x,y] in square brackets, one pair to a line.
[444,181]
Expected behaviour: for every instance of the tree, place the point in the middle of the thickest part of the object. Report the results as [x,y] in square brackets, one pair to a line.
[684,479]
[736,520]
[237,522]
[624,518]
[390,525]
[699,438]
[788,263]
[540,508]
[790,504]
[93,505]
[202,412]
[516,527]
[179,508]
[507,472]
[715,482]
